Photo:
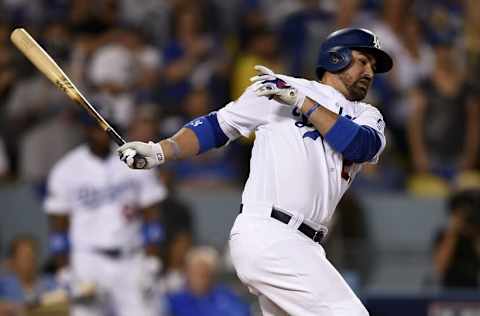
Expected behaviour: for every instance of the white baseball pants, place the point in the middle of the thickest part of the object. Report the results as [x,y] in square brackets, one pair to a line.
[119,282]
[287,270]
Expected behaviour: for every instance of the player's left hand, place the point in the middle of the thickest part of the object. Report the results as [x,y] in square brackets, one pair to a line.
[151,152]
[269,85]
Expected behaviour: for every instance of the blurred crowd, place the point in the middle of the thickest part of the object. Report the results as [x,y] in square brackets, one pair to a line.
[150,66]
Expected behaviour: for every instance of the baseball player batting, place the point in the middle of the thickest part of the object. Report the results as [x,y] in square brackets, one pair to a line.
[312,138]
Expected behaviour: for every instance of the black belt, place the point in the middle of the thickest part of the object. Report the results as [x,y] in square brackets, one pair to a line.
[113,253]
[315,235]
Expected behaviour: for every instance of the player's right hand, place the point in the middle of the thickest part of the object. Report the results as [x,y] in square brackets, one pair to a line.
[152,152]
[269,85]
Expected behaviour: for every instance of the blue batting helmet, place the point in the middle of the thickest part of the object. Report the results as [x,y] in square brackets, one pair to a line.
[336,51]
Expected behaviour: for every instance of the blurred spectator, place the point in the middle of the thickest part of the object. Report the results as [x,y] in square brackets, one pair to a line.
[214,169]
[348,243]
[442,17]
[444,123]
[151,16]
[23,12]
[7,68]
[456,255]
[4,161]
[178,243]
[472,40]
[40,122]
[385,176]
[147,61]
[177,218]
[350,12]
[251,17]
[403,37]
[192,57]
[145,124]
[94,16]
[302,33]
[112,72]
[261,49]
[207,9]
[10,309]
[202,296]
[21,283]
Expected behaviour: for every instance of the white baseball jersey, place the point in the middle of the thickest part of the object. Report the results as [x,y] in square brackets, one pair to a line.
[102,197]
[292,167]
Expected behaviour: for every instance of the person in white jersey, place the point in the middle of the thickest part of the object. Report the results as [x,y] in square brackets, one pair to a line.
[103,214]
[312,138]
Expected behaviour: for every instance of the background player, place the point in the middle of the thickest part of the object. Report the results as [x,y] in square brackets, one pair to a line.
[102,205]
[311,140]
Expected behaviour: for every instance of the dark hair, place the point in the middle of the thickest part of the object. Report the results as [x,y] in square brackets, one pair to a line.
[467,201]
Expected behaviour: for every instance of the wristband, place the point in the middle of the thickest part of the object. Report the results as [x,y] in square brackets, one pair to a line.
[175,147]
[311,110]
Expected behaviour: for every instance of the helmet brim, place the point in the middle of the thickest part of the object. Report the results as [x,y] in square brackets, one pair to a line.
[383,61]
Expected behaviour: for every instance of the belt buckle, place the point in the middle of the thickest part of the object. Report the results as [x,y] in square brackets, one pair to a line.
[318,236]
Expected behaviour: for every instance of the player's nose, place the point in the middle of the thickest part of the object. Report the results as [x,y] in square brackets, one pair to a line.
[368,70]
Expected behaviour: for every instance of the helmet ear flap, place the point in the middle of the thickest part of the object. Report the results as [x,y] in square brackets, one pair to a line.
[334,60]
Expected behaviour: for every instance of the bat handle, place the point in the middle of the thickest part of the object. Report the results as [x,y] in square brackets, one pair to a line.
[139,162]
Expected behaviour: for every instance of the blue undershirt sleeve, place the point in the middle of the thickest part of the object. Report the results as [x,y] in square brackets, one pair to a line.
[208,132]
[357,143]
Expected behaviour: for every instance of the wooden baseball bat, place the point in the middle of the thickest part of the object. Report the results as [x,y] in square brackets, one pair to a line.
[42,60]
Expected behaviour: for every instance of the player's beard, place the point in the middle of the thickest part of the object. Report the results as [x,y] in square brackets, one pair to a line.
[358,89]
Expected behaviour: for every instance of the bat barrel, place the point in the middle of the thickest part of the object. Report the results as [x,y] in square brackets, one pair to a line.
[40,58]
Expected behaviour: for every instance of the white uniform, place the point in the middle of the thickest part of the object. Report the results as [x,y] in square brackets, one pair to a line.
[294,170]
[102,198]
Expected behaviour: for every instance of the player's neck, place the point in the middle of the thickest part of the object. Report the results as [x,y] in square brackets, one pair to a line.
[101,153]
[336,83]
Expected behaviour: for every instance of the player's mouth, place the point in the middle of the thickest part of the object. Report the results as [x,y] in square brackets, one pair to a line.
[363,84]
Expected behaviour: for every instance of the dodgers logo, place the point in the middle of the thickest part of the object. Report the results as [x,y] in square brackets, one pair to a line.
[196,123]
[376,42]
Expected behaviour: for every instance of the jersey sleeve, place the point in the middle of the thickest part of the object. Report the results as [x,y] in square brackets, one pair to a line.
[243,116]
[58,200]
[152,190]
[371,117]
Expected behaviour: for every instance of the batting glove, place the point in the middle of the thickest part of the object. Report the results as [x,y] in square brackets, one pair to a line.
[151,152]
[269,85]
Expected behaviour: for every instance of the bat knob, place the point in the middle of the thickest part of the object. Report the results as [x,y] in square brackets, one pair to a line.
[139,162]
